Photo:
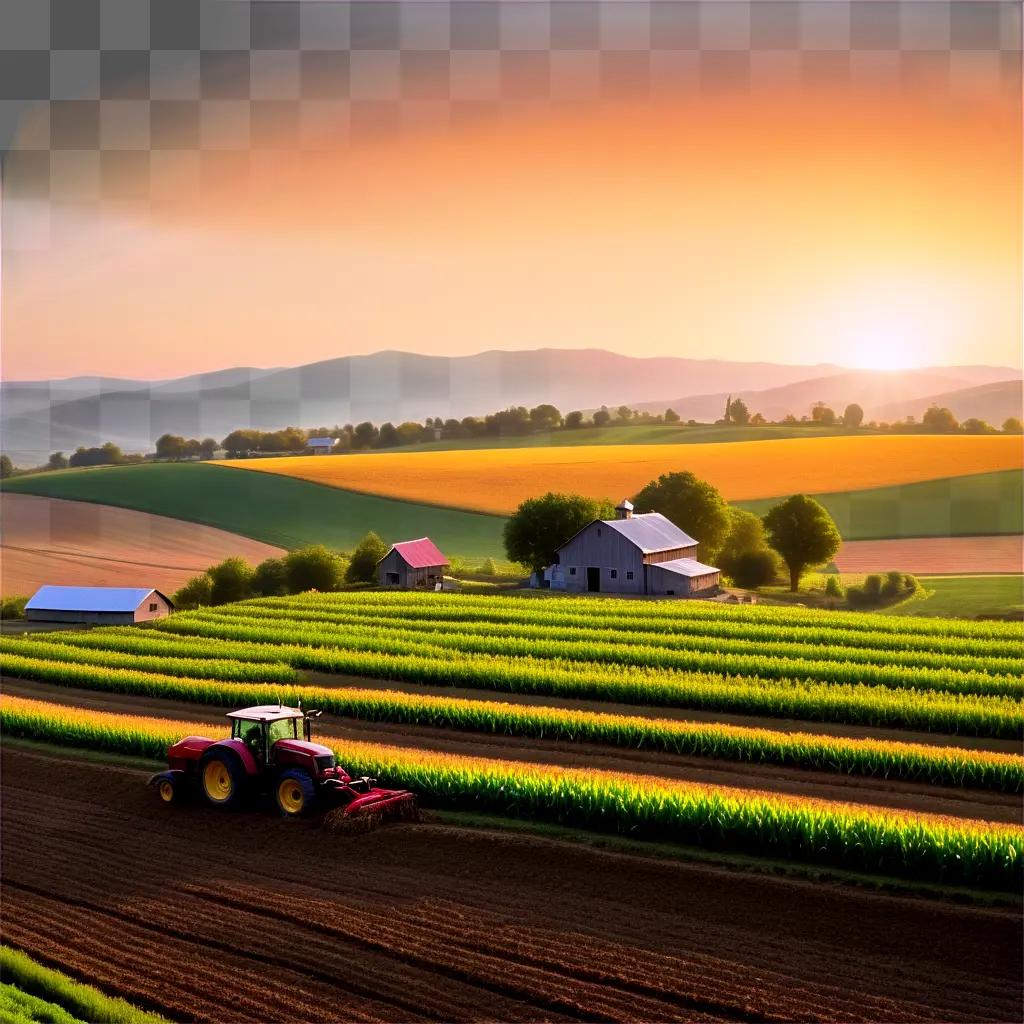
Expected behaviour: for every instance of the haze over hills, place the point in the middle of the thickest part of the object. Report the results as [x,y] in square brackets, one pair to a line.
[990,402]
[39,417]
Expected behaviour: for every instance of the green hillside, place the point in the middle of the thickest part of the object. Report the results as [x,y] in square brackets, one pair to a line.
[966,597]
[291,513]
[275,509]
[984,503]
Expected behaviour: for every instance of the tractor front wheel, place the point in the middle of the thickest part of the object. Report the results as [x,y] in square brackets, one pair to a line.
[295,793]
[220,778]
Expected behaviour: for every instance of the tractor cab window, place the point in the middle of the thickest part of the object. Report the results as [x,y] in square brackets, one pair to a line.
[251,733]
[284,729]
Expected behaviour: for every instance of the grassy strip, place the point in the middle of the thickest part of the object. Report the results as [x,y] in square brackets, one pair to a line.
[675,611]
[935,711]
[265,670]
[917,762]
[904,845]
[74,1001]
[517,610]
[17,1007]
[774,644]
[388,638]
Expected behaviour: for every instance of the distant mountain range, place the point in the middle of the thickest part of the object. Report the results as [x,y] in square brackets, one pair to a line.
[39,417]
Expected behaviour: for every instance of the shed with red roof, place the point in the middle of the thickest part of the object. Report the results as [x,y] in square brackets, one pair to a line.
[412,563]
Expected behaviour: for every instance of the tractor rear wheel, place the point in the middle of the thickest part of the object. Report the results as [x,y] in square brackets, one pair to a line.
[295,793]
[220,778]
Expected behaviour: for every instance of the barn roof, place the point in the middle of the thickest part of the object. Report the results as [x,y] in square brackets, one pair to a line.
[688,567]
[321,442]
[650,532]
[418,554]
[90,599]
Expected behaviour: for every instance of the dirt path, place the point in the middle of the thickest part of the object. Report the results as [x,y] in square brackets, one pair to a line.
[77,543]
[213,917]
[931,555]
[879,792]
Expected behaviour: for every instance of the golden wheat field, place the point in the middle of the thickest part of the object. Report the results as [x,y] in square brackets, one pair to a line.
[497,480]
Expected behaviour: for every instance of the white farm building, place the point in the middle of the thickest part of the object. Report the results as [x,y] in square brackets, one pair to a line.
[633,554]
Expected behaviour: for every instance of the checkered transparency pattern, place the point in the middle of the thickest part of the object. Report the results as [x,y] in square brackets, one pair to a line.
[126,105]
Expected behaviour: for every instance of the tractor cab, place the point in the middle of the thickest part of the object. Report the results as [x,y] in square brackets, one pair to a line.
[260,728]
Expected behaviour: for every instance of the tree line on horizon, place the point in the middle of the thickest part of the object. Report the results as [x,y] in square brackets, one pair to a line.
[515,421]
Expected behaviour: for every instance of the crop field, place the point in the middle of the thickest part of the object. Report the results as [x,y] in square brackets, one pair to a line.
[865,746]
[496,481]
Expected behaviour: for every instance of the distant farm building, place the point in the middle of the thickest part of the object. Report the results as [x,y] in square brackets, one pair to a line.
[412,563]
[322,445]
[105,606]
[633,554]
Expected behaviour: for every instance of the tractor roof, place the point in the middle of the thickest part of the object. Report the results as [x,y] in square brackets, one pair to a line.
[265,713]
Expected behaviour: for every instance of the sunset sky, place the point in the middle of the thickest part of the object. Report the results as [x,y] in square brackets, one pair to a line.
[870,227]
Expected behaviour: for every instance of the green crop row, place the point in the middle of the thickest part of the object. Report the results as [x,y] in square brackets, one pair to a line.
[32,992]
[869,705]
[261,670]
[889,843]
[635,618]
[939,765]
[676,611]
[769,646]
[388,638]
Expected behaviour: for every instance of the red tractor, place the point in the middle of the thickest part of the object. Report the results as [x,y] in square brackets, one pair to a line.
[266,754]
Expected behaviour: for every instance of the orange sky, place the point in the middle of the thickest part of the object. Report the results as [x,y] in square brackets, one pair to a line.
[868,231]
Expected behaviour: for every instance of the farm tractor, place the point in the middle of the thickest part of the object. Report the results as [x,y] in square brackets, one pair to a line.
[268,755]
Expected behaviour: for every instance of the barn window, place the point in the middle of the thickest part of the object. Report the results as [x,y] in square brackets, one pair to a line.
[599,531]
[152,606]
[615,574]
[670,593]
[572,571]
[629,574]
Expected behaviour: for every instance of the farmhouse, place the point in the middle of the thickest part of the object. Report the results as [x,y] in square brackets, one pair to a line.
[412,563]
[322,445]
[106,606]
[633,554]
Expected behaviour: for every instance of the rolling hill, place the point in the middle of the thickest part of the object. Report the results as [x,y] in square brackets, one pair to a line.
[992,403]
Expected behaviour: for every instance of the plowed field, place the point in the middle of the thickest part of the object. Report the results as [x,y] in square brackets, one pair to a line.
[170,907]
[76,543]
[497,480]
[924,555]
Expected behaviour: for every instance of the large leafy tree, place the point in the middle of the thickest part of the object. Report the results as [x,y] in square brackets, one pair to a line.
[313,568]
[195,593]
[803,533]
[693,505]
[270,578]
[232,580]
[745,555]
[540,526]
[362,567]
[853,416]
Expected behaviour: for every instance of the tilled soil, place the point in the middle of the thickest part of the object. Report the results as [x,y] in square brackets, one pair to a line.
[242,916]
[953,801]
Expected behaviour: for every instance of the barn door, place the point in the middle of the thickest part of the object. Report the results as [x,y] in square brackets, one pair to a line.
[593,579]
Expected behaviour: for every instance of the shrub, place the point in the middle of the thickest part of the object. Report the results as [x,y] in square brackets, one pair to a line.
[833,587]
[873,587]
[13,608]
[270,578]
[755,568]
[893,585]
[232,580]
[489,568]
[198,591]
[313,568]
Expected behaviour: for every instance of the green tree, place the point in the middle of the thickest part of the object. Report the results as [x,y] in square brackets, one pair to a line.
[745,535]
[387,437]
[693,505]
[574,420]
[833,586]
[821,413]
[1013,425]
[58,460]
[364,435]
[6,467]
[803,533]
[976,426]
[738,412]
[755,569]
[207,447]
[270,578]
[170,446]
[671,416]
[232,579]
[540,526]
[939,420]
[853,416]
[196,592]
[602,417]
[313,568]
[545,417]
[362,566]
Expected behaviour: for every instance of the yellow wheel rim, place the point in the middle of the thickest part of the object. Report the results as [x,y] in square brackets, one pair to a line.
[166,791]
[290,796]
[217,782]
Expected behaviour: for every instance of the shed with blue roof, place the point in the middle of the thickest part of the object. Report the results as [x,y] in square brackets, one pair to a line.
[106,606]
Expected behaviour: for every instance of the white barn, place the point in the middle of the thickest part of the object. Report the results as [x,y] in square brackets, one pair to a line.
[633,554]
[102,606]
